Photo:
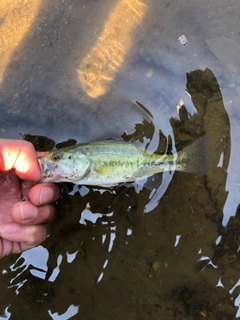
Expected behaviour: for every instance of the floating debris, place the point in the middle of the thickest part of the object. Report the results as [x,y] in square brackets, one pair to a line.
[149,73]
[183,39]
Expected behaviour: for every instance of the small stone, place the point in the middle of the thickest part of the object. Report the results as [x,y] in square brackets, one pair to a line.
[155,265]
[15,96]
[149,73]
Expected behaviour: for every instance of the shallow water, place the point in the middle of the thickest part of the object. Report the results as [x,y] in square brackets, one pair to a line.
[129,252]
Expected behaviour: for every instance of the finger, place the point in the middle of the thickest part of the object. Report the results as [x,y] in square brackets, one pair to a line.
[25,188]
[29,236]
[9,194]
[27,213]
[44,193]
[8,247]
[21,156]
[9,185]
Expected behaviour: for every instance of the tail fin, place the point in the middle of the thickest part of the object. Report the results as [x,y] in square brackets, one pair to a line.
[193,158]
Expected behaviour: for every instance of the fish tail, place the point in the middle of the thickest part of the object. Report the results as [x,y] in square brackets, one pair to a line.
[193,158]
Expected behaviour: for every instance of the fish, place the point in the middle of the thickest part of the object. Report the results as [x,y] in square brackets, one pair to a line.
[108,163]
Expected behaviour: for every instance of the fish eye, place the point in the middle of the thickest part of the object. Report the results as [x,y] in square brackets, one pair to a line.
[56,156]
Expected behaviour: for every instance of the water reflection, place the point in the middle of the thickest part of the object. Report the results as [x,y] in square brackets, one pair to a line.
[105,257]
[16,18]
[102,247]
[99,68]
[71,311]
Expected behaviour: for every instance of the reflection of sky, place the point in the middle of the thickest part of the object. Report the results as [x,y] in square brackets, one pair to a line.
[87,215]
[71,311]
[35,260]
[157,194]
[7,314]
[233,178]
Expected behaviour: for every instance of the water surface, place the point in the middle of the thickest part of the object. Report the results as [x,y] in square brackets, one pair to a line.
[128,252]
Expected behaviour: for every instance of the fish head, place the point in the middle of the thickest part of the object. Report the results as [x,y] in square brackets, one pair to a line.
[63,166]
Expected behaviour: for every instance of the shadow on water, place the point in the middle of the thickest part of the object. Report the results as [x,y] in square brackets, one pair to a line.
[107,256]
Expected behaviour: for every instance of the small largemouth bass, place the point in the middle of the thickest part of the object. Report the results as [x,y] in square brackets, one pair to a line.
[112,162]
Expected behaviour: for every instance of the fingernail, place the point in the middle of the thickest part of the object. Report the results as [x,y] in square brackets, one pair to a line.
[46,195]
[27,211]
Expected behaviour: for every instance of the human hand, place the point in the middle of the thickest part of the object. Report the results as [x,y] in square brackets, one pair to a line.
[21,222]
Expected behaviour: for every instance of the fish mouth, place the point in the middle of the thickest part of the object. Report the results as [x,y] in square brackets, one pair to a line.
[41,164]
[46,170]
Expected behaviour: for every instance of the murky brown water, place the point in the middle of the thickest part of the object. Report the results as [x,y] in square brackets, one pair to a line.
[76,71]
